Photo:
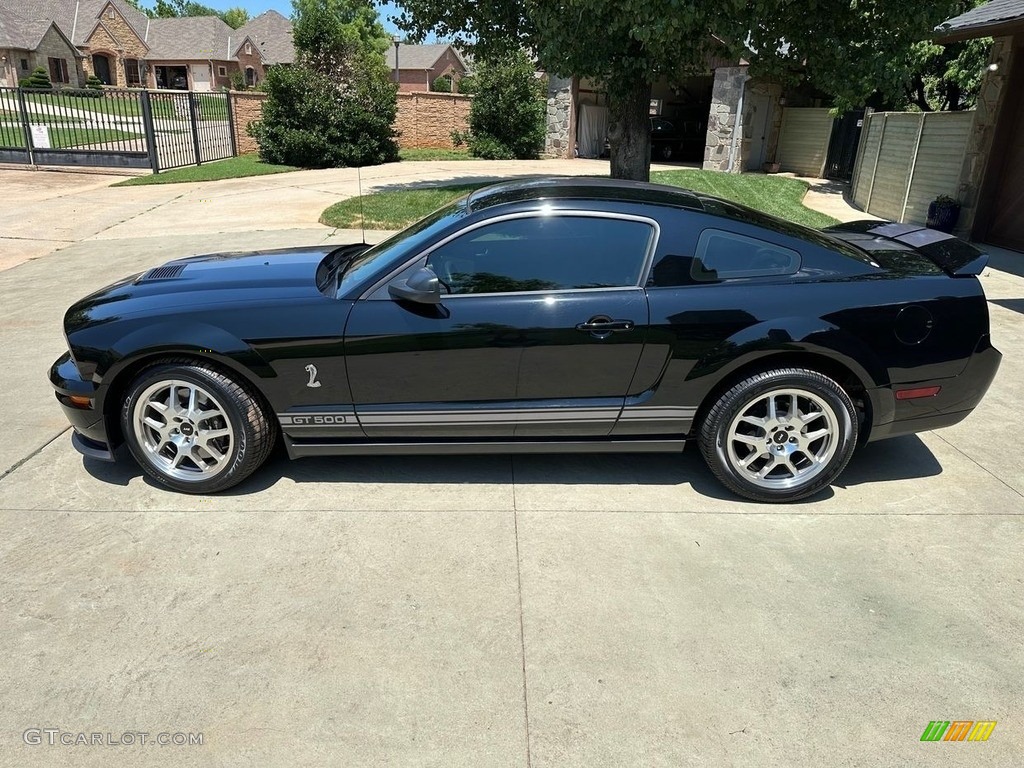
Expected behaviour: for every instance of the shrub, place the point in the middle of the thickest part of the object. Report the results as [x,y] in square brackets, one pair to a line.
[238,81]
[506,118]
[312,122]
[468,84]
[39,80]
[441,84]
[93,83]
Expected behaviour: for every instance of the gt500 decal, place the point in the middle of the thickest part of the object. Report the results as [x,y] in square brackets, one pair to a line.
[316,419]
[301,421]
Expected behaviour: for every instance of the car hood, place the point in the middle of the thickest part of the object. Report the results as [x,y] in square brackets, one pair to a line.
[210,280]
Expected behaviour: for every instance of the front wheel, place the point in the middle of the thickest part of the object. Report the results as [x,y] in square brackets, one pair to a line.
[194,429]
[780,435]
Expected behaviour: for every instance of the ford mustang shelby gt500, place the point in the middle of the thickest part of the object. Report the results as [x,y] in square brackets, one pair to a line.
[549,315]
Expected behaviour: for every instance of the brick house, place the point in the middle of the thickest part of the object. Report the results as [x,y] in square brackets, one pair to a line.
[27,42]
[125,48]
[418,66]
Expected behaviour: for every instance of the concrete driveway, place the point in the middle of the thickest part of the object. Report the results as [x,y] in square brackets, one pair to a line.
[484,611]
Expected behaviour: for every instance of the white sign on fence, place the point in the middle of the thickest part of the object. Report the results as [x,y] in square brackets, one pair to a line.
[40,136]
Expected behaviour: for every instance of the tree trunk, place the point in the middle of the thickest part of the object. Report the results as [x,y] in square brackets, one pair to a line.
[629,130]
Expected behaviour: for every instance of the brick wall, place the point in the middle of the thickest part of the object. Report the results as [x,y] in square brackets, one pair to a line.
[424,120]
[246,107]
[428,119]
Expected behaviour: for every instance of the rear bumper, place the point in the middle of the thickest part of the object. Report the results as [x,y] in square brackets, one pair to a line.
[959,395]
[90,436]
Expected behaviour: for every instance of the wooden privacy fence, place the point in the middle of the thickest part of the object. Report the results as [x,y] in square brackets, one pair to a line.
[803,140]
[907,159]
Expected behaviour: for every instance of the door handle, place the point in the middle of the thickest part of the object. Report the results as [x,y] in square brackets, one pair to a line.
[605,325]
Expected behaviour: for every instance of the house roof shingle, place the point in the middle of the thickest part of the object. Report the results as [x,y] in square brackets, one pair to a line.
[190,37]
[272,34]
[980,21]
[63,13]
[21,32]
[420,56]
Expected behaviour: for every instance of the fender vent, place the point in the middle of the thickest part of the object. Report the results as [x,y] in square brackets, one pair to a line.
[163,273]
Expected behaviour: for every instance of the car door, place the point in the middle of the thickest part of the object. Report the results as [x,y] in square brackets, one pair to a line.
[538,332]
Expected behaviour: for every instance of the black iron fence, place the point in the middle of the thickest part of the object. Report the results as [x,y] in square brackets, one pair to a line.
[114,128]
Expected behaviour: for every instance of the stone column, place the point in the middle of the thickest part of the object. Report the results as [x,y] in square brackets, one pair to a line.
[979,143]
[724,120]
[560,139]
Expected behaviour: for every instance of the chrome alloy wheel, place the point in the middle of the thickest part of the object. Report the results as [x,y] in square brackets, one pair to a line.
[782,439]
[184,432]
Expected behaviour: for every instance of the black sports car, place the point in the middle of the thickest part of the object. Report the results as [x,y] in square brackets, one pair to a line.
[553,315]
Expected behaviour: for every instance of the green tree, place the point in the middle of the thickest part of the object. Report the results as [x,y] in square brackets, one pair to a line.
[468,84]
[235,17]
[857,50]
[172,9]
[849,48]
[947,77]
[506,118]
[442,84]
[336,105]
[328,33]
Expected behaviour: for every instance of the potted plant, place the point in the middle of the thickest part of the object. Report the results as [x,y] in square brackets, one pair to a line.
[943,213]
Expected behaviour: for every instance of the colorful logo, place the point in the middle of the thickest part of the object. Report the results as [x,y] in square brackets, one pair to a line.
[958,730]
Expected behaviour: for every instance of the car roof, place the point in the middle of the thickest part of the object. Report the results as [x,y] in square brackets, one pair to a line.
[582,188]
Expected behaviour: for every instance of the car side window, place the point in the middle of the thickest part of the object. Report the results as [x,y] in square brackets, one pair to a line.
[544,253]
[721,255]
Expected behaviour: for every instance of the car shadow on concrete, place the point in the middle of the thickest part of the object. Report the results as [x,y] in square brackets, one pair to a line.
[902,458]
[1014,305]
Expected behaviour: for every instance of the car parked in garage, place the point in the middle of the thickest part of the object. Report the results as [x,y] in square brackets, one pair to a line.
[552,315]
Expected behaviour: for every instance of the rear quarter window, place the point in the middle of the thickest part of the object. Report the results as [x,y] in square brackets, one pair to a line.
[722,255]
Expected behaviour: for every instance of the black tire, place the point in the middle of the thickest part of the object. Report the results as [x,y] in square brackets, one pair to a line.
[786,439]
[252,434]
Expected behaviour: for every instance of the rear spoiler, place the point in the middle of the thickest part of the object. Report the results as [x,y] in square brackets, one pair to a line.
[951,254]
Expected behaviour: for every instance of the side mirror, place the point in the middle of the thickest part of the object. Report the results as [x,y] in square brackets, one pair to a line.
[422,287]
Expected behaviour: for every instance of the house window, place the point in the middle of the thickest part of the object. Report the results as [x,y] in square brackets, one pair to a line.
[248,49]
[222,71]
[58,70]
[24,64]
[133,72]
[110,14]
[250,77]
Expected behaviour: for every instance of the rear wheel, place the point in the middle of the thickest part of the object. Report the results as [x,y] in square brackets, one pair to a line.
[194,429]
[781,435]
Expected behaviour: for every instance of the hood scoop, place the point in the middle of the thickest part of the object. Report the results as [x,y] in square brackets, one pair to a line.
[167,272]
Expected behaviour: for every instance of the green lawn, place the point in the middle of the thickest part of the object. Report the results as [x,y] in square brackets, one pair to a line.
[776,195]
[435,154]
[232,168]
[210,106]
[393,210]
[64,135]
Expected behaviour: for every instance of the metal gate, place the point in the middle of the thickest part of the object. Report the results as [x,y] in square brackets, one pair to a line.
[842,146]
[114,128]
[190,128]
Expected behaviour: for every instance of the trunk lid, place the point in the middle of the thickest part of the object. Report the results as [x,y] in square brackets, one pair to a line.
[900,247]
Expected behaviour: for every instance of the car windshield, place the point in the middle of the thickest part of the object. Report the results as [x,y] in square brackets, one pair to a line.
[399,247]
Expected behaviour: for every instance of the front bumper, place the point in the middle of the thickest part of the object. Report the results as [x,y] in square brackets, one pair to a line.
[90,437]
[958,397]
